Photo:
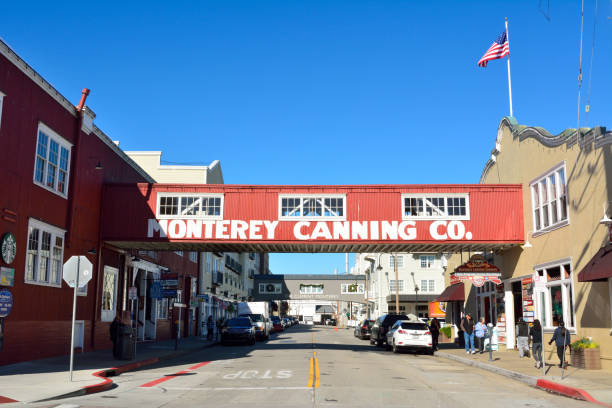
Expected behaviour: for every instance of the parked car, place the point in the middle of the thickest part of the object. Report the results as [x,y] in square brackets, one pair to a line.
[406,334]
[286,322]
[261,325]
[277,324]
[238,330]
[362,330]
[382,325]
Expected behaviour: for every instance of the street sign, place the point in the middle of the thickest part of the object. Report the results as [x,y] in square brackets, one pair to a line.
[6,302]
[82,266]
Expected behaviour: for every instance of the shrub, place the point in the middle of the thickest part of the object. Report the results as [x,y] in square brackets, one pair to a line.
[584,343]
[447,331]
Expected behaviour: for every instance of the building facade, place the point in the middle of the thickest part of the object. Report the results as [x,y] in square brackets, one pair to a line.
[566,181]
[420,279]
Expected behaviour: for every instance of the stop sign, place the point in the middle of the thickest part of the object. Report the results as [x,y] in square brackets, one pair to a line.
[77,266]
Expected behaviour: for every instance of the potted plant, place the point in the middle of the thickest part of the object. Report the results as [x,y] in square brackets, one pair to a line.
[446,334]
[585,354]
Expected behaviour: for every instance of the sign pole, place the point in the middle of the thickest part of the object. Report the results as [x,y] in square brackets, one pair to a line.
[74,299]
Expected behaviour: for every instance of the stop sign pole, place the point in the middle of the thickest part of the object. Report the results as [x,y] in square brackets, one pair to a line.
[74,299]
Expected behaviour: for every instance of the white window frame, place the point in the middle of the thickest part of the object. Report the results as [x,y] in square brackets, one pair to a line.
[190,217]
[392,283]
[2,95]
[567,288]
[107,315]
[162,309]
[63,143]
[400,261]
[426,258]
[537,181]
[301,217]
[193,256]
[309,289]
[429,286]
[55,233]
[426,196]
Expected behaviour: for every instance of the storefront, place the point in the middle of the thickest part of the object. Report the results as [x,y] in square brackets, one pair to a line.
[454,296]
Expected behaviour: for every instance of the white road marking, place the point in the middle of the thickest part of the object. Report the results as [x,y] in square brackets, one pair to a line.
[226,388]
[255,375]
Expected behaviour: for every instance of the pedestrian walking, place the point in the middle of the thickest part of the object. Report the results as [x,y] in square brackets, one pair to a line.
[561,337]
[535,333]
[467,325]
[115,330]
[210,325]
[434,328]
[522,338]
[480,330]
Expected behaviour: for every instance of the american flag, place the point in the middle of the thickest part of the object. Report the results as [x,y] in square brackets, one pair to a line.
[499,49]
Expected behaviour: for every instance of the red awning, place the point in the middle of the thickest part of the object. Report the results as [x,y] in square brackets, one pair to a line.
[599,267]
[453,293]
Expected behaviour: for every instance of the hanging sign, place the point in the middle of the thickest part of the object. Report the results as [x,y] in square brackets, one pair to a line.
[478,271]
[155,291]
[7,276]
[6,302]
[132,293]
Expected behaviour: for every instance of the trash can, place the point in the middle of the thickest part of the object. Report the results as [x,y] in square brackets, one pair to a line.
[127,343]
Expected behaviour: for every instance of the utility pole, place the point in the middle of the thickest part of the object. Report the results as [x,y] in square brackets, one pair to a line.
[396,284]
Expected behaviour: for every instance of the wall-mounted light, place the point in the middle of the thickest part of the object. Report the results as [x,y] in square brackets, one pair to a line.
[99,166]
[527,244]
[605,220]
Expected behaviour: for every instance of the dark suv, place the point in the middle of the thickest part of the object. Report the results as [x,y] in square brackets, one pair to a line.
[381,326]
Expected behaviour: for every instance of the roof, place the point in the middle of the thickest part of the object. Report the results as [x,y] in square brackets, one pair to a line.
[599,267]
[453,293]
[313,276]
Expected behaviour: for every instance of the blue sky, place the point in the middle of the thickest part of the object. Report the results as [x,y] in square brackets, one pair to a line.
[318,92]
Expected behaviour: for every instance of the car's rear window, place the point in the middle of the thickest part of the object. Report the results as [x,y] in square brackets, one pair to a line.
[239,322]
[414,326]
[255,317]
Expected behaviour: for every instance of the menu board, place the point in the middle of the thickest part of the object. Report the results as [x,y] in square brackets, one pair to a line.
[500,305]
[528,308]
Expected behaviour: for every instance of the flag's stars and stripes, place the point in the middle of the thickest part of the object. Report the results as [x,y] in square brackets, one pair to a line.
[499,49]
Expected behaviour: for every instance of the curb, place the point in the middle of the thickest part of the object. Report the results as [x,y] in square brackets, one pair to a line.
[105,375]
[540,383]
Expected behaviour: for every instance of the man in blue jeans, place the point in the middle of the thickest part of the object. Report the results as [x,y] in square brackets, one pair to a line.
[467,325]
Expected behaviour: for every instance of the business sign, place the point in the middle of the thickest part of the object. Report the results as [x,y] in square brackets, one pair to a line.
[7,276]
[155,291]
[437,309]
[440,230]
[169,293]
[133,293]
[478,271]
[169,283]
[6,302]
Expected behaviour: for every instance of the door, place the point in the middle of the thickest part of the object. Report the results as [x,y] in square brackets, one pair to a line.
[79,334]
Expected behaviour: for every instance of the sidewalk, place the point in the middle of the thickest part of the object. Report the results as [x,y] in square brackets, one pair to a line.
[576,382]
[49,378]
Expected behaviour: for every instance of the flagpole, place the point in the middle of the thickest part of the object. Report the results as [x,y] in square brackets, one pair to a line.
[509,80]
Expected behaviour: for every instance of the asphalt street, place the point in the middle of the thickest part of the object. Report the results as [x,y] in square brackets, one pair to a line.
[312,366]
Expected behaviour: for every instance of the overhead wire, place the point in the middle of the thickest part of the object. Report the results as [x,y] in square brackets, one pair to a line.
[588,102]
[580,65]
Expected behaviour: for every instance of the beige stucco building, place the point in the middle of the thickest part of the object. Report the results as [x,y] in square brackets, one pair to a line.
[567,183]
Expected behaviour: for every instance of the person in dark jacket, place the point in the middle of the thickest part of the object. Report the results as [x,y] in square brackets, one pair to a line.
[115,328]
[210,325]
[561,337]
[535,333]
[467,325]
[434,328]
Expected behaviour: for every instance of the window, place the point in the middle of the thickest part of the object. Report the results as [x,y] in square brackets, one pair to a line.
[52,161]
[109,293]
[269,288]
[352,288]
[45,254]
[150,254]
[436,206]
[427,261]
[400,261]
[428,286]
[549,200]
[162,309]
[393,284]
[193,256]
[207,206]
[312,207]
[1,100]
[311,289]
[555,297]
[179,253]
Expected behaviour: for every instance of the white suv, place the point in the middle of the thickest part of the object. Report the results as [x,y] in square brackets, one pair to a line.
[409,334]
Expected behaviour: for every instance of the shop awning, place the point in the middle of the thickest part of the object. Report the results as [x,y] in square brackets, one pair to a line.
[454,293]
[324,309]
[599,267]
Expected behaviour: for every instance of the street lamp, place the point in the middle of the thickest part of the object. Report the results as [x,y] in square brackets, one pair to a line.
[367,297]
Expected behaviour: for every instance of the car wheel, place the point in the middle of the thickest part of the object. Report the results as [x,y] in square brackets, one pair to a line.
[395,348]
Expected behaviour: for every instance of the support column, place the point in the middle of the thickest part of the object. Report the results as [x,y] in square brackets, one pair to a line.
[509,305]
